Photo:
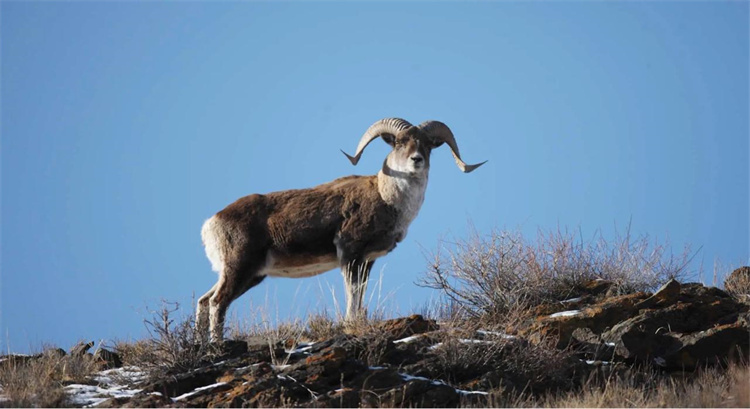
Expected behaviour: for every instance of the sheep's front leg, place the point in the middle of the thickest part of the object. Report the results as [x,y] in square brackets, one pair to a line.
[355,274]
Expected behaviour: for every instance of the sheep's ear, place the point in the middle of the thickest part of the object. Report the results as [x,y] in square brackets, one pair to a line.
[389,139]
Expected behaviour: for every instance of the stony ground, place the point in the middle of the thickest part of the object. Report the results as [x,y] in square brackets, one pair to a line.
[414,361]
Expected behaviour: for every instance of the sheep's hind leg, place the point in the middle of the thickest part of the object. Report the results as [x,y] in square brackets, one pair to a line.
[232,284]
[201,312]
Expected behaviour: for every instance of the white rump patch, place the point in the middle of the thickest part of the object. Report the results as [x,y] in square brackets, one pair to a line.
[213,243]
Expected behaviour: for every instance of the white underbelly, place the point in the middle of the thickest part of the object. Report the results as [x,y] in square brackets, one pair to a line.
[292,267]
[300,271]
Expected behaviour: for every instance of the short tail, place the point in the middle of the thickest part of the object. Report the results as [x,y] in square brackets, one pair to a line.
[214,241]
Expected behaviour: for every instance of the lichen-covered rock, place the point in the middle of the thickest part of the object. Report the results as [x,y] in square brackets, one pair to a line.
[715,346]
[738,281]
[403,327]
[176,385]
[597,318]
[665,296]
[701,310]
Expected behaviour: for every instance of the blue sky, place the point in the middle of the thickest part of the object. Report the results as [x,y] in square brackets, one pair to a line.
[125,125]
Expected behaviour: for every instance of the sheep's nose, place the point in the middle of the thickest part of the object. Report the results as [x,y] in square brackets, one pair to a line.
[417,159]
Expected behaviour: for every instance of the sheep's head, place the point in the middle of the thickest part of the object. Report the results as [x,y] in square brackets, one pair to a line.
[411,144]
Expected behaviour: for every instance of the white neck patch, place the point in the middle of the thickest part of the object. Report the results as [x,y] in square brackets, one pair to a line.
[405,193]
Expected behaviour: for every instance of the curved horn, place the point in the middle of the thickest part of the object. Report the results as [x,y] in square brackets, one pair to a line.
[440,132]
[386,126]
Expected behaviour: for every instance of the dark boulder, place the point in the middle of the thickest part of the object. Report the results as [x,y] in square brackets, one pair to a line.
[107,359]
[81,348]
[411,325]
[715,346]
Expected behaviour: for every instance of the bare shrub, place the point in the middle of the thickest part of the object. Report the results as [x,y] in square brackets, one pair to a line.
[173,346]
[493,276]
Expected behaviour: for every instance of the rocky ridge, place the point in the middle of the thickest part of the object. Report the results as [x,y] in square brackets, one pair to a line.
[413,361]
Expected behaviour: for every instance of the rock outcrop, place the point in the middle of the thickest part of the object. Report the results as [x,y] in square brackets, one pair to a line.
[680,326]
[413,362]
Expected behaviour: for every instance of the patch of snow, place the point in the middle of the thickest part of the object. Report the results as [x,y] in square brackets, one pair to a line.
[198,390]
[84,395]
[408,378]
[131,374]
[474,341]
[463,392]
[570,313]
[495,333]
[591,362]
[436,346]
[244,368]
[375,368]
[571,300]
[302,347]
[92,395]
[110,386]
[280,367]
[156,393]
[660,361]
[611,344]
[407,339]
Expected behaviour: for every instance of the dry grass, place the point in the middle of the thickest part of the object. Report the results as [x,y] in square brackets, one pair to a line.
[634,388]
[713,387]
[39,381]
[510,364]
[321,326]
[492,277]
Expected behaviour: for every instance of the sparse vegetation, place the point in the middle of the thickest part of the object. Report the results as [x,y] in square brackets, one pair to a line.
[709,387]
[494,278]
[174,344]
[38,380]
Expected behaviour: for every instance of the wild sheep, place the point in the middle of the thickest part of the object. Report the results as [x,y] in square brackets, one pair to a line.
[346,223]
